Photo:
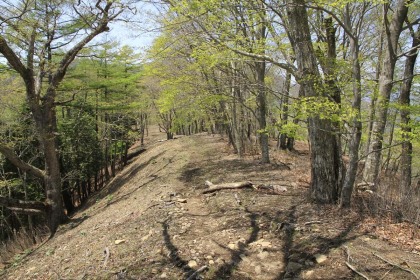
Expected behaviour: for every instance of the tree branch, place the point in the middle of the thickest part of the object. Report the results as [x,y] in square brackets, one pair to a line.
[16,161]
[13,59]
[23,205]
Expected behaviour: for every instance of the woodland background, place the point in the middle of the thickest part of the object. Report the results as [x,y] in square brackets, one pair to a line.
[341,75]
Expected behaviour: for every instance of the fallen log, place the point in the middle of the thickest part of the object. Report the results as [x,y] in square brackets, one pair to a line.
[23,205]
[272,189]
[135,152]
[226,186]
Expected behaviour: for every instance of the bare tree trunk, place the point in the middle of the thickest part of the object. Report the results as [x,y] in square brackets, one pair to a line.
[261,95]
[407,147]
[374,95]
[390,140]
[282,141]
[355,123]
[237,116]
[325,167]
[262,109]
[393,31]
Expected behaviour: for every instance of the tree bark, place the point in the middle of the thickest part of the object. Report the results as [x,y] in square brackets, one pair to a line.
[393,31]
[260,67]
[407,147]
[325,167]
[355,123]
[282,141]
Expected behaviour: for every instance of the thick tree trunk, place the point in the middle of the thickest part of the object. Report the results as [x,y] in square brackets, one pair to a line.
[47,133]
[386,77]
[407,147]
[325,167]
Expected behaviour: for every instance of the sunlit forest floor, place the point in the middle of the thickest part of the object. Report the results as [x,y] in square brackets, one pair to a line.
[153,222]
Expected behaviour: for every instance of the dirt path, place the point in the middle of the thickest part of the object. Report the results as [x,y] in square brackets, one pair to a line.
[152,222]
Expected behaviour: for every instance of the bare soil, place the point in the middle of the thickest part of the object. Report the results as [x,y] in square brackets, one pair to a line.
[153,222]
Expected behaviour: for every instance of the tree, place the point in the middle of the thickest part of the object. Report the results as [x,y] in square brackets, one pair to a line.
[325,166]
[40,40]
[393,29]
[407,146]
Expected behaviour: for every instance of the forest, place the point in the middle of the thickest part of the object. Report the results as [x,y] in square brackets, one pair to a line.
[341,76]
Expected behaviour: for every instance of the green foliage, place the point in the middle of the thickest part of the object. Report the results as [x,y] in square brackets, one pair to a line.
[79,147]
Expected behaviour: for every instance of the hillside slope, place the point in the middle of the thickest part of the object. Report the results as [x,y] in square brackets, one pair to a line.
[153,222]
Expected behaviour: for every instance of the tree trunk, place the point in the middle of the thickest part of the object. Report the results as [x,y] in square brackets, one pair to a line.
[374,95]
[260,67]
[282,141]
[386,77]
[325,167]
[262,109]
[355,123]
[407,147]
[390,140]
[237,116]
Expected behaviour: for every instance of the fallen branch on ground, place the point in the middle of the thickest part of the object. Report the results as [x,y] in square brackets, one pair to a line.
[269,189]
[195,274]
[395,265]
[23,206]
[227,186]
[356,271]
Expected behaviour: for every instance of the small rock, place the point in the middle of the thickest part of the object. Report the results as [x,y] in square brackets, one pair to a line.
[309,263]
[294,257]
[192,264]
[163,276]
[144,238]
[308,274]
[119,241]
[154,271]
[262,243]
[209,257]
[293,267]
[181,200]
[263,255]
[320,258]
[211,262]
[233,246]
[220,261]
[258,269]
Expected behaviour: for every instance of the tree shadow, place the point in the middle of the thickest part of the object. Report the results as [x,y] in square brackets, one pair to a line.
[301,255]
[173,255]
[226,270]
[288,229]
[120,180]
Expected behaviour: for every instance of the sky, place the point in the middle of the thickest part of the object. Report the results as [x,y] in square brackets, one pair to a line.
[141,33]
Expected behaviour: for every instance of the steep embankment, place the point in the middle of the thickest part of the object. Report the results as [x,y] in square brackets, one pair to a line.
[153,222]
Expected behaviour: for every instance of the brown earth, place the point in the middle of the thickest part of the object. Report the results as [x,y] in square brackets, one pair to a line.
[153,222]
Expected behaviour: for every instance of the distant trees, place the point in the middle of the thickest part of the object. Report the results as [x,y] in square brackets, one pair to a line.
[253,51]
